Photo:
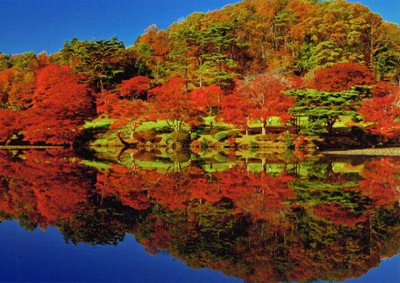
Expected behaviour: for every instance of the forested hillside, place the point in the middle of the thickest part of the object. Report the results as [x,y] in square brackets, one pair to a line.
[257,62]
[290,37]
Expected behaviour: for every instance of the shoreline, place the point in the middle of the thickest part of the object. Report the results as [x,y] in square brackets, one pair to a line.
[11,147]
[388,151]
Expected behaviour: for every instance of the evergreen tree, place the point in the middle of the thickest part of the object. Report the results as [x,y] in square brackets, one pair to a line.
[323,108]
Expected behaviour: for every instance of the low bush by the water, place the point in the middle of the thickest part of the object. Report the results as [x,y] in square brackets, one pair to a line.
[220,136]
[180,137]
[146,136]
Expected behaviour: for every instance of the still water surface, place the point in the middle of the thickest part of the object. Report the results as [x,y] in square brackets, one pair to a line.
[152,216]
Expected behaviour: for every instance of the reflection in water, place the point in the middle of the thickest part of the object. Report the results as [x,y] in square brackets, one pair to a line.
[254,216]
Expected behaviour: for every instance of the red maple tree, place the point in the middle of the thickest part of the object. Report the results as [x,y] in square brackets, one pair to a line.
[60,107]
[170,102]
[135,87]
[235,110]
[258,100]
[382,112]
[342,76]
[207,98]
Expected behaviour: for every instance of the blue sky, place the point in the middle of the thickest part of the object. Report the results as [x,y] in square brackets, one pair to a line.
[44,25]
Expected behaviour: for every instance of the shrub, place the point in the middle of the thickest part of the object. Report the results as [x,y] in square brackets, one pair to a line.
[179,156]
[232,142]
[213,131]
[220,157]
[180,137]
[221,136]
[253,144]
[267,137]
[145,136]
[204,144]
[234,134]
[194,136]
[195,143]
[287,140]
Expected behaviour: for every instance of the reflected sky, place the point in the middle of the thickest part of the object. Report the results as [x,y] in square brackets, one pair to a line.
[388,271]
[43,256]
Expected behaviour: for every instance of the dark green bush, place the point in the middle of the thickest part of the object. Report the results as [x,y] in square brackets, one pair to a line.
[287,140]
[194,136]
[204,144]
[253,144]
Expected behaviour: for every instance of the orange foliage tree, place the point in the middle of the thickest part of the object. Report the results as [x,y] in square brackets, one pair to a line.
[207,98]
[128,113]
[170,102]
[235,110]
[266,99]
[5,87]
[257,100]
[61,105]
[135,87]
[382,111]
[10,124]
[342,76]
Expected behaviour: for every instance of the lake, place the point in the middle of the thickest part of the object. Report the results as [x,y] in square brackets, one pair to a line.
[154,215]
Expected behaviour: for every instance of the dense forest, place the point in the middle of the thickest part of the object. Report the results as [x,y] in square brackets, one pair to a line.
[308,69]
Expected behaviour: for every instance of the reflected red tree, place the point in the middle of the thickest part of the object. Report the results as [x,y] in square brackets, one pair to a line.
[381,182]
[252,225]
[257,194]
[129,186]
[46,185]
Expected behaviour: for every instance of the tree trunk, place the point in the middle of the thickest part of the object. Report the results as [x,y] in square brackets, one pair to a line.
[101,86]
[134,125]
[124,142]
[330,123]
[247,126]
[263,126]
